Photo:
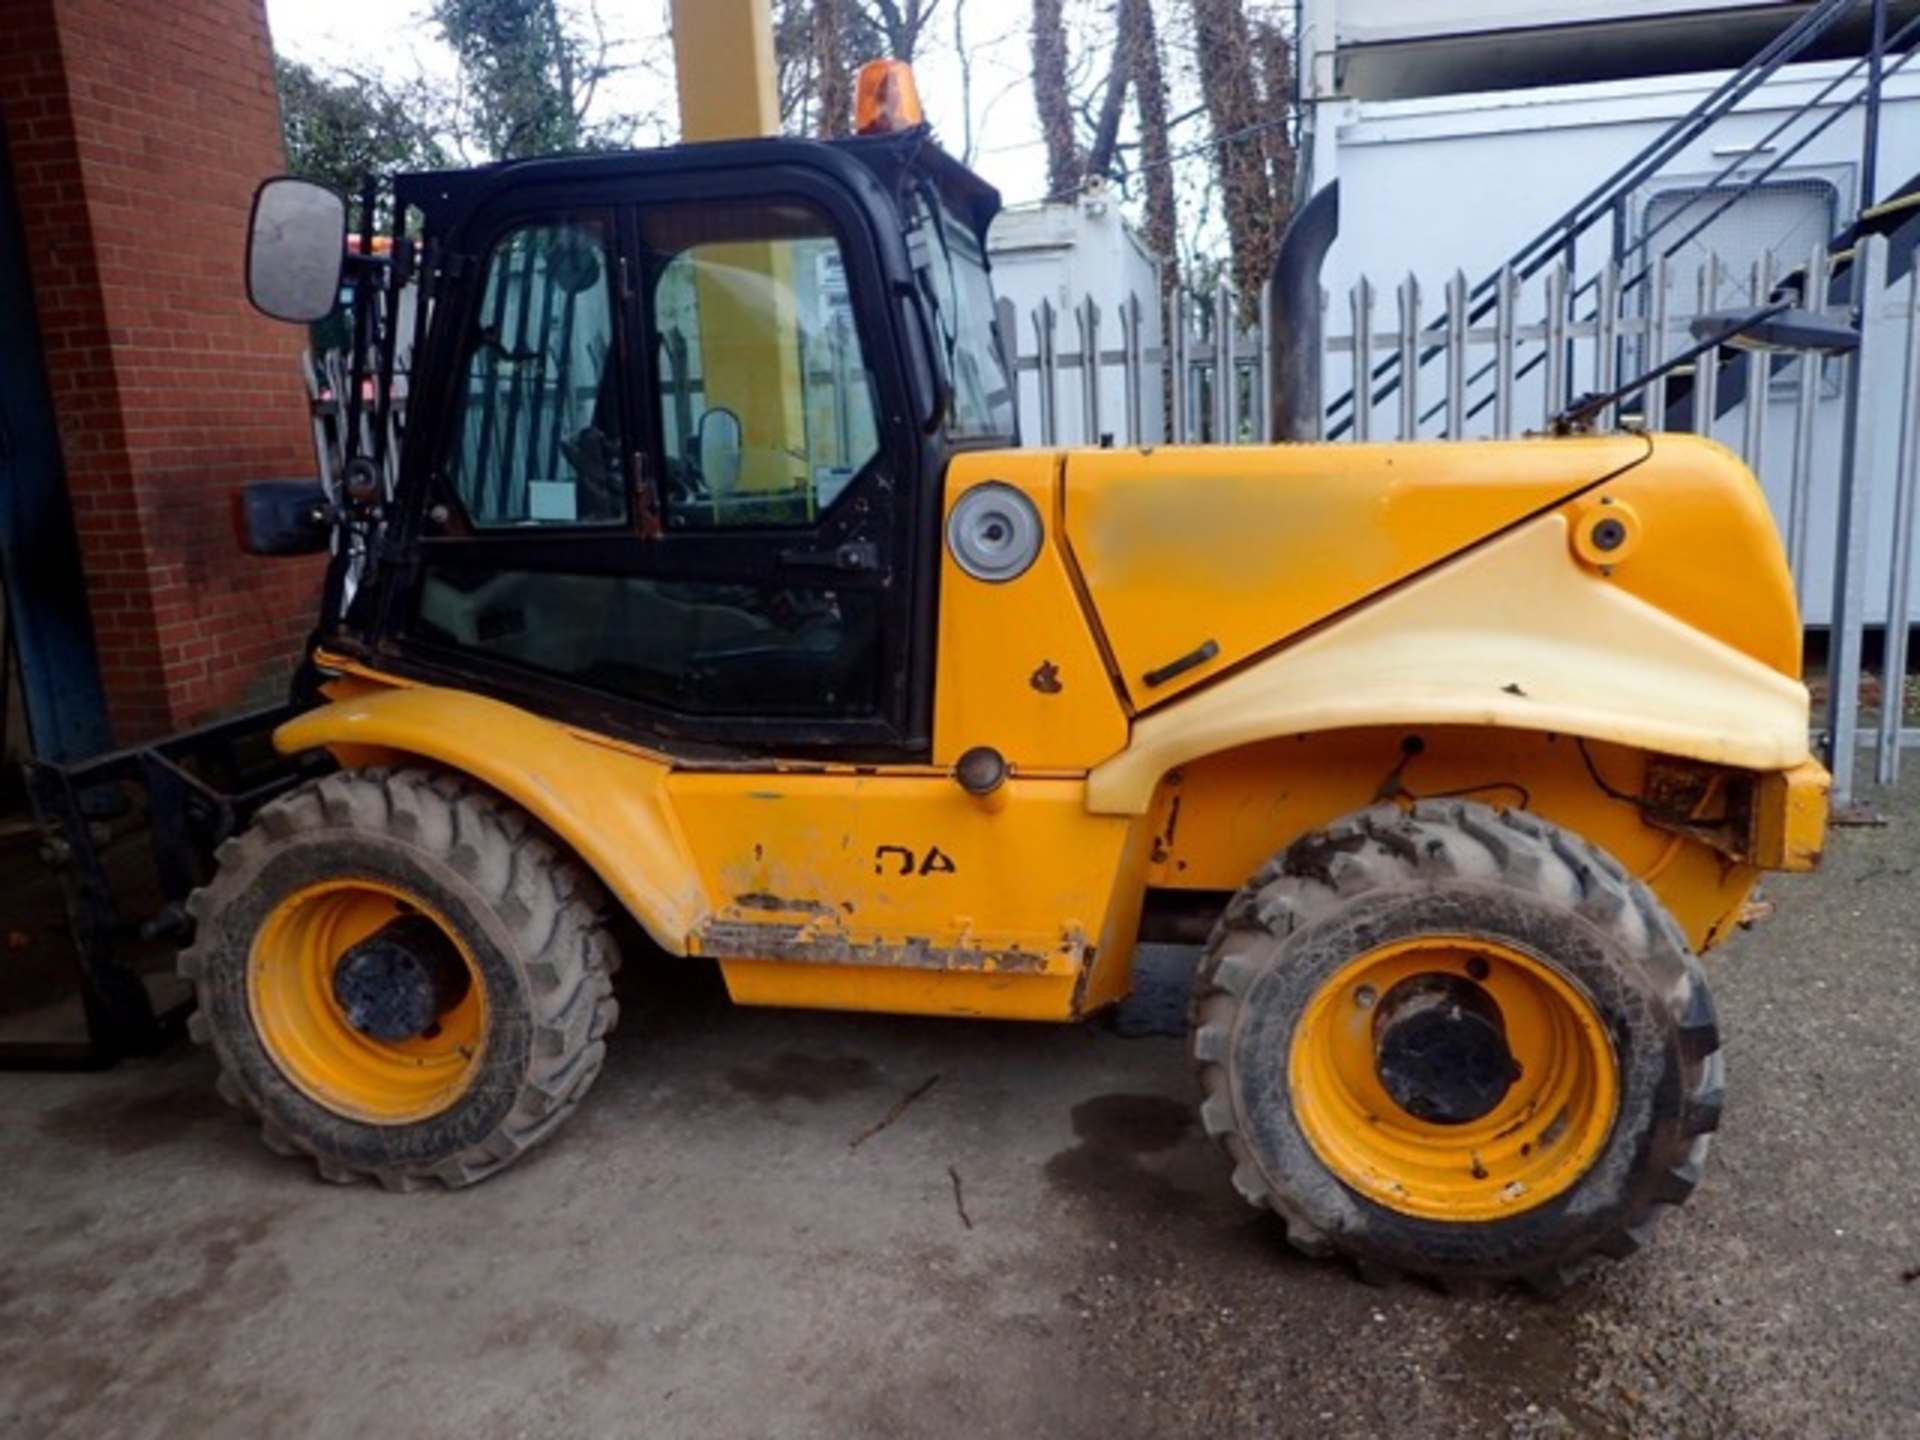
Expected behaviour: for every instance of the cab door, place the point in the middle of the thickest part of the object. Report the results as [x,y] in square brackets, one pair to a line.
[673,478]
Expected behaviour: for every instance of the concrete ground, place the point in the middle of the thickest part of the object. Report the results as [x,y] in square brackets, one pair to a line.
[776,1225]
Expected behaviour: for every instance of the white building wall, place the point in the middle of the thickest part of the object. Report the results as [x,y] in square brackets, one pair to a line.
[1379,20]
[1461,182]
[1062,256]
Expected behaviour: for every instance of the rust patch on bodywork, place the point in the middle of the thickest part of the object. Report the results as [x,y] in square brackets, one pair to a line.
[825,944]
[780,904]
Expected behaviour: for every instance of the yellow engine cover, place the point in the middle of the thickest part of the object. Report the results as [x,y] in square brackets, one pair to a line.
[1196,558]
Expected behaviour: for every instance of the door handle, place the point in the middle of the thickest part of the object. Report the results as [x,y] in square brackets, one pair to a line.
[854,557]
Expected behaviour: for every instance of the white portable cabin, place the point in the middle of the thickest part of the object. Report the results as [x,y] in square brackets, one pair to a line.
[1074,279]
[1459,131]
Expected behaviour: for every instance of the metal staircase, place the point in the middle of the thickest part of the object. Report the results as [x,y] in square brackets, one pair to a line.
[1856,89]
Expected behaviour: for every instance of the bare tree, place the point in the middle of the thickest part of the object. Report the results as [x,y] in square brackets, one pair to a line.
[1140,42]
[1103,152]
[1273,58]
[1136,69]
[1245,125]
[1066,163]
[833,75]
[963,58]
[817,45]
[903,22]
[529,74]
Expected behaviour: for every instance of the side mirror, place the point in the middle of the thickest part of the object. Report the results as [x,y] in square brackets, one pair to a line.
[282,517]
[719,441]
[296,242]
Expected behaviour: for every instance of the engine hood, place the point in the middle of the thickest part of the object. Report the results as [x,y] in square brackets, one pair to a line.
[1196,559]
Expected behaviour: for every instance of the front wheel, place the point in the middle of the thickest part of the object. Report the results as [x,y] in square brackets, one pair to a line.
[401,977]
[1456,1043]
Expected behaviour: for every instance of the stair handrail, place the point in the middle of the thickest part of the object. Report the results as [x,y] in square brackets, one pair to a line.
[1883,71]
[1558,238]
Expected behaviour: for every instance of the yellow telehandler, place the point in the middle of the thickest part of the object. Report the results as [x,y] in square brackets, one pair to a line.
[704,587]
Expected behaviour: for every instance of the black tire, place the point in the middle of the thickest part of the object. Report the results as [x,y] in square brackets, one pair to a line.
[1619,1033]
[517,1032]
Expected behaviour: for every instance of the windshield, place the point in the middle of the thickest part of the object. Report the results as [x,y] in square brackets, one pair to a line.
[954,274]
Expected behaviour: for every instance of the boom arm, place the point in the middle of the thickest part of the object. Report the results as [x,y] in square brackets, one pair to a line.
[723,58]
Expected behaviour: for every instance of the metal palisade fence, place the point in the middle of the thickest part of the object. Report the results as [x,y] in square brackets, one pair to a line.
[1834,437]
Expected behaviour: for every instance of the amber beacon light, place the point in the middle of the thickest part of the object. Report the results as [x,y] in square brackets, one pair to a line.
[887,100]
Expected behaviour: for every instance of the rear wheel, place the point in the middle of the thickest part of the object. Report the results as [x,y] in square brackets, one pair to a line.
[1456,1043]
[401,978]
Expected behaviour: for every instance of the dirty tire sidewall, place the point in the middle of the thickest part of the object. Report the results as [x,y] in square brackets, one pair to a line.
[529,924]
[1301,923]
[1651,1087]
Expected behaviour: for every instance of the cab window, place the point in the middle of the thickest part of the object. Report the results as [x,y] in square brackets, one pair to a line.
[953,274]
[766,400]
[536,432]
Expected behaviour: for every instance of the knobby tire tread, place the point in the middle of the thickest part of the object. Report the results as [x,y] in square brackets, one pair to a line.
[552,909]
[1387,846]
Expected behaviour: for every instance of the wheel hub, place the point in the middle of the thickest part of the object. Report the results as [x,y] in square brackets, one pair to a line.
[1440,1049]
[397,983]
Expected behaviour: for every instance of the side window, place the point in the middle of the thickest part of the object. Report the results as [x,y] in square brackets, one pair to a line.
[954,272]
[766,400]
[1784,219]
[1716,236]
[536,439]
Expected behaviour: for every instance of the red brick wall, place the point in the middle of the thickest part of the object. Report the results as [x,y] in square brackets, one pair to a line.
[138,130]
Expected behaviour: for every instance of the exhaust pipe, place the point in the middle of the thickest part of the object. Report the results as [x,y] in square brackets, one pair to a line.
[1293,318]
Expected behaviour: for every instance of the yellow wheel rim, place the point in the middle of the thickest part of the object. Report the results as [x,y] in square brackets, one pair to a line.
[308,1035]
[1536,1141]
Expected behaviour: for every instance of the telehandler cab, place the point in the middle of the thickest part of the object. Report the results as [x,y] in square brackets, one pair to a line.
[703,586]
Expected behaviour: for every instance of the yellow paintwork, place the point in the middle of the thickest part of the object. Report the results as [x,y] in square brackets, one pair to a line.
[1488,659]
[1514,635]
[685,851]
[1606,532]
[307,1035]
[729,90]
[898,990]
[1706,548]
[1246,546]
[846,865]
[1560,661]
[602,799]
[1020,670]
[1790,818]
[723,60]
[1535,1144]
[1218,819]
